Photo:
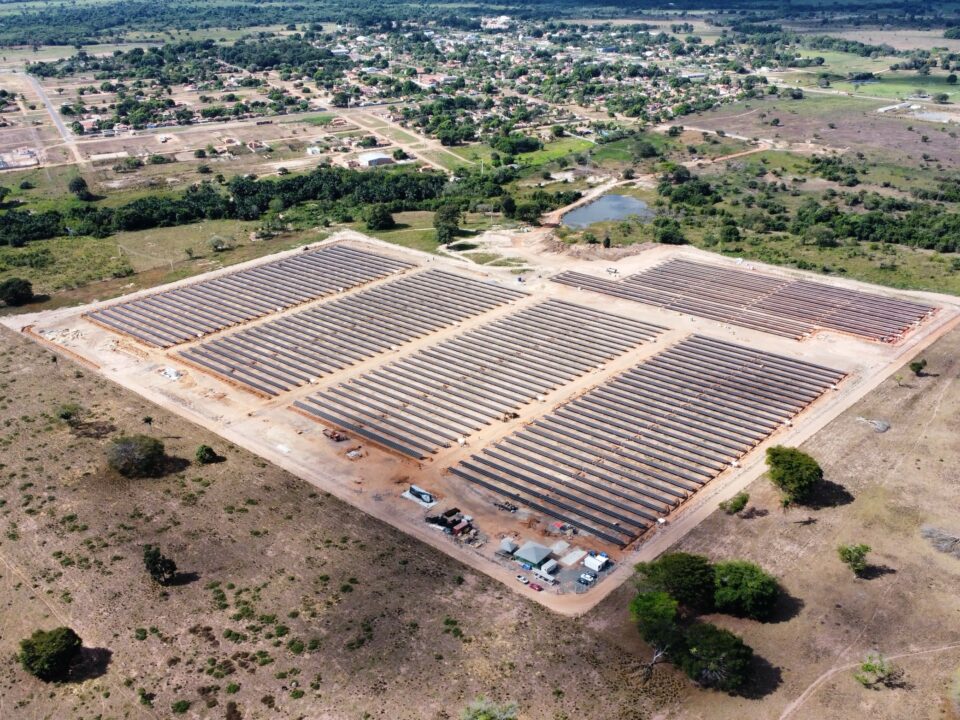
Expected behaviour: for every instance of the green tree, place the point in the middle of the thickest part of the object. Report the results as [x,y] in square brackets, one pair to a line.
[918,366]
[854,557]
[47,654]
[16,291]
[378,217]
[136,456]
[795,473]
[714,657]
[735,504]
[78,186]
[446,221]
[161,568]
[656,615]
[689,579]
[667,232]
[744,589]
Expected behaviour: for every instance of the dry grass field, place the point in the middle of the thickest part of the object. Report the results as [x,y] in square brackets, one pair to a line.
[856,127]
[330,613]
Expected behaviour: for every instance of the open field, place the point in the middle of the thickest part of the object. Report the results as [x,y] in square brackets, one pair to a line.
[898,39]
[102,268]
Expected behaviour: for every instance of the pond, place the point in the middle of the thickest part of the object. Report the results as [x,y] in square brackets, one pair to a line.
[607,207]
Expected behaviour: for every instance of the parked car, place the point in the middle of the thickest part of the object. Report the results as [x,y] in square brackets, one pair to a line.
[584,582]
[534,586]
[522,579]
[587,579]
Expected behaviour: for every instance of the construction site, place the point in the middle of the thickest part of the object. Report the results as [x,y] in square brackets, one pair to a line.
[565,423]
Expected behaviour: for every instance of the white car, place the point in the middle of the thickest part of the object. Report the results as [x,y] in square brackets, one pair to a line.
[587,578]
[522,579]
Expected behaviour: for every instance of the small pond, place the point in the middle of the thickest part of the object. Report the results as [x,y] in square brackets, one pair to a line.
[607,207]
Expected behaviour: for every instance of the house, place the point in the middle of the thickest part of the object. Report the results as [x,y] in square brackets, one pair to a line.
[374,159]
[533,553]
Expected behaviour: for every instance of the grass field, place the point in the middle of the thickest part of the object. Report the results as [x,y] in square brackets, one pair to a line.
[901,85]
[414,230]
[321,120]
[73,269]
[554,151]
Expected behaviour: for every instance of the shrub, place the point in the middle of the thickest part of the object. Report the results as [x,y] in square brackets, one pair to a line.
[47,654]
[16,291]
[161,568]
[180,707]
[714,657]
[795,473]
[744,589]
[916,367]
[69,412]
[656,616]
[206,455]
[689,579]
[735,504]
[855,557]
[876,671]
[136,456]
[483,709]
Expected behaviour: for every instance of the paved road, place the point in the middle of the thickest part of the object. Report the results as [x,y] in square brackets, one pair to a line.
[66,134]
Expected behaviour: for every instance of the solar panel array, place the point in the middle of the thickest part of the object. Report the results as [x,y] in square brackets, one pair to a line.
[435,396]
[191,311]
[788,308]
[624,454]
[293,350]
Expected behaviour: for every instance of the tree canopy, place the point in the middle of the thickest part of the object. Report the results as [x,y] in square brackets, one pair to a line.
[47,654]
[688,579]
[795,473]
[16,291]
[714,657]
[136,456]
[744,589]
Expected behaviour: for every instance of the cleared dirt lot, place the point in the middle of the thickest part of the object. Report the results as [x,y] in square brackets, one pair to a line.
[277,433]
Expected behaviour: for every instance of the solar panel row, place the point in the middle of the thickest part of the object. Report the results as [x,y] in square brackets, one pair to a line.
[624,454]
[291,351]
[788,308]
[433,397]
[175,316]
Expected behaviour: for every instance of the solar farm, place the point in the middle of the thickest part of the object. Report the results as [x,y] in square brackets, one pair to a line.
[611,408]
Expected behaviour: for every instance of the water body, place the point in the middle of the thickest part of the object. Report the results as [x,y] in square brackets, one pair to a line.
[607,207]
